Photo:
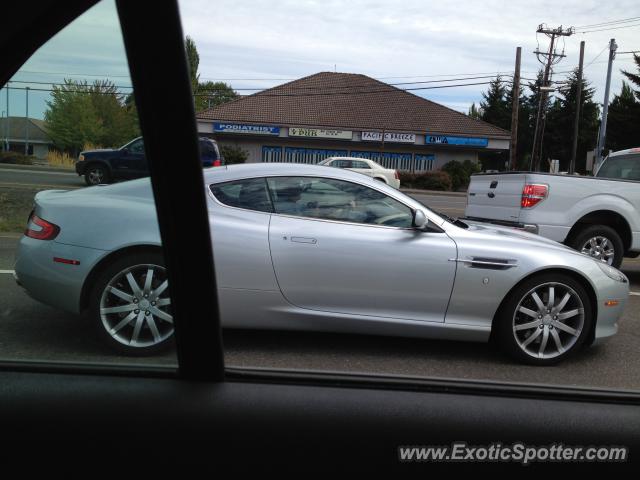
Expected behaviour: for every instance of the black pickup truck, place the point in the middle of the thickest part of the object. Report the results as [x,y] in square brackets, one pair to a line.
[129,161]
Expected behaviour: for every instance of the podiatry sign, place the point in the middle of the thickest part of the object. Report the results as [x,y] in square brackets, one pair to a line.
[246,129]
[320,133]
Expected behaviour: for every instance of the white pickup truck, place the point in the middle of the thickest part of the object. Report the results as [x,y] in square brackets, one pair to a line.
[599,216]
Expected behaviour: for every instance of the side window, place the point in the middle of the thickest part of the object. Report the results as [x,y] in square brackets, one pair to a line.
[624,168]
[341,163]
[331,199]
[137,147]
[360,164]
[251,194]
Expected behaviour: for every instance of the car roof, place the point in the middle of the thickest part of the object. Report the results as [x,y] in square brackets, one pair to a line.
[625,152]
[368,160]
[248,170]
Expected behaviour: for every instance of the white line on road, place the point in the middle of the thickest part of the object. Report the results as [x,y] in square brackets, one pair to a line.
[637,294]
[39,172]
[7,271]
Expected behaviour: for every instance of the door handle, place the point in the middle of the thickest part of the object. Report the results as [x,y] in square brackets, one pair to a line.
[312,241]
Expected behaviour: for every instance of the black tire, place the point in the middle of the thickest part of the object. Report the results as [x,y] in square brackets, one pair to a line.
[117,342]
[510,341]
[600,231]
[97,174]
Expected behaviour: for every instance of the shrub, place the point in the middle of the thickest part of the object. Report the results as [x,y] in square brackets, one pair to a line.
[437,180]
[233,154]
[460,173]
[16,158]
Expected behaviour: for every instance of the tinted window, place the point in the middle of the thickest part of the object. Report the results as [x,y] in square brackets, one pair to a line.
[331,199]
[360,164]
[625,167]
[251,194]
[136,147]
[341,163]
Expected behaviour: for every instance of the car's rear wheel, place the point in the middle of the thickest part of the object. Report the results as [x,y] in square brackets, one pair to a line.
[96,174]
[545,319]
[600,242]
[130,305]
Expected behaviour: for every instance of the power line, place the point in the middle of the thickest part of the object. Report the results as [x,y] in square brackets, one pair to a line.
[624,20]
[607,29]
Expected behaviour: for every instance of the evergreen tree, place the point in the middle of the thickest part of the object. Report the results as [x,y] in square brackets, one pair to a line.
[494,105]
[474,112]
[623,122]
[633,77]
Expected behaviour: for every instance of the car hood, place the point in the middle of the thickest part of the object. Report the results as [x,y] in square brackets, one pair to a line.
[491,232]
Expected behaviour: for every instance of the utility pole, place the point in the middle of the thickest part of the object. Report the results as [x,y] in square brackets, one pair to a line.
[514,112]
[8,118]
[26,143]
[576,124]
[551,59]
[605,107]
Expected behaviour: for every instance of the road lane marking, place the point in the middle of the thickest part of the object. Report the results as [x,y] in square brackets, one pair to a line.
[9,272]
[636,294]
[38,185]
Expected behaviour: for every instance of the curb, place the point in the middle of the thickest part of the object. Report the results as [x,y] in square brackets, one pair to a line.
[36,168]
[433,192]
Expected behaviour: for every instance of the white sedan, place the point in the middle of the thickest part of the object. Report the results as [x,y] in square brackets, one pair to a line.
[366,167]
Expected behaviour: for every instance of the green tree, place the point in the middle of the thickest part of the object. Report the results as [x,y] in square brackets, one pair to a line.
[193,59]
[212,94]
[474,112]
[79,113]
[623,122]
[634,77]
[493,105]
[558,139]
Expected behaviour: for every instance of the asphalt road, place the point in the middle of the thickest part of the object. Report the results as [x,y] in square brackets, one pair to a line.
[28,177]
[32,331]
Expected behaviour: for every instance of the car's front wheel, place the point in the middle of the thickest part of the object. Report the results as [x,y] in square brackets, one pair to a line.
[600,242]
[130,305]
[545,319]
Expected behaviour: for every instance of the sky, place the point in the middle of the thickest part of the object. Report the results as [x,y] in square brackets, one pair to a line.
[259,44]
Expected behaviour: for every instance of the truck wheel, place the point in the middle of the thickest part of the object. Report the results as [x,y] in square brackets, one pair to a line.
[96,175]
[600,242]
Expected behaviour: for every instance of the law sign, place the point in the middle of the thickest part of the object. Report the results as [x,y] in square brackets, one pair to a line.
[458,141]
[246,129]
[320,133]
[390,137]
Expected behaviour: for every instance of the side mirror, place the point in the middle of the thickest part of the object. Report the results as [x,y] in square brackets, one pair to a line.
[420,220]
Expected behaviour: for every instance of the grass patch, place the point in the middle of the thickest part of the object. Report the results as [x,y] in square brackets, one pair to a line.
[15,206]
[60,159]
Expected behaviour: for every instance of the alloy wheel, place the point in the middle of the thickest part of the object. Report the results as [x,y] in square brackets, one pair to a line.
[135,306]
[548,320]
[600,248]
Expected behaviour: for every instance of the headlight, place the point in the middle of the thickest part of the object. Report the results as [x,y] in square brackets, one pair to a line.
[612,273]
[80,158]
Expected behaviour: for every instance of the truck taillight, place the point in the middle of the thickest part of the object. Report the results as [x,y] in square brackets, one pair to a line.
[40,229]
[533,194]
[395,174]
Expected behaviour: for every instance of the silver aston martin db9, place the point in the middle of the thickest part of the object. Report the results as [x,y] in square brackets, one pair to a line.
[300,247]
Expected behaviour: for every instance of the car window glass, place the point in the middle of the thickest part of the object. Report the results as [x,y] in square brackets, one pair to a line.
[621,167]
[331,199]
[250,194]
[137,147]
[359,164]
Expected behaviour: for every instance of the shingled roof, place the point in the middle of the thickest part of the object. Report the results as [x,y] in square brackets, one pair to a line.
[349,101]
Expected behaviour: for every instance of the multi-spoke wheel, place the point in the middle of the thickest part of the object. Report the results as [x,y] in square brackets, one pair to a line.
[132,306]
[600,242]
[545,319]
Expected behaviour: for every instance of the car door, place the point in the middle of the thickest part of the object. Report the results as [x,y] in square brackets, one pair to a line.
[132,162]
[342,247]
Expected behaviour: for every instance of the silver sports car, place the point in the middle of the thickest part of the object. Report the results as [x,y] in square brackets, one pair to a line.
[300,247]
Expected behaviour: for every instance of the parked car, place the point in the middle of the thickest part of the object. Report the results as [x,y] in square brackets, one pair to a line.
[598,216]
[304,247]
[108,165]
[366,167]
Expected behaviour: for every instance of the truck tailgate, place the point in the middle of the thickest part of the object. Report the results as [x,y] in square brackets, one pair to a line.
[495,197]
